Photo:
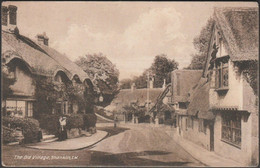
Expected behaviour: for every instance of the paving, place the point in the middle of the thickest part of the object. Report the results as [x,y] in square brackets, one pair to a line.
[71,144]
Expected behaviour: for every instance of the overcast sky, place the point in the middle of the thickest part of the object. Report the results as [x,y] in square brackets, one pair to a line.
[130,34]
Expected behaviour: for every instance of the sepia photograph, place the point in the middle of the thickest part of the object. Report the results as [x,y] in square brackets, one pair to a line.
[129,84]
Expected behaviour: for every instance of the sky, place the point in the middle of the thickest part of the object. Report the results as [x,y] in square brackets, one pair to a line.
[130,34]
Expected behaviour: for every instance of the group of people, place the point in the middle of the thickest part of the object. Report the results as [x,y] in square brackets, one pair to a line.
[62,134]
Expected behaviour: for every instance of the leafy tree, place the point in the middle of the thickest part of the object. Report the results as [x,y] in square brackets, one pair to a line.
[201,43]
[103,72]
[125,83]
[161,68]
[6,82]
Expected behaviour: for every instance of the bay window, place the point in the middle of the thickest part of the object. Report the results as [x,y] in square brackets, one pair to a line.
[221,78]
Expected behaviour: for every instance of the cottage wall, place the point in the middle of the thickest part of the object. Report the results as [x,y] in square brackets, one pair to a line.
[250,104]
[222,148]
[193,134]
[24,83]
[239,94]
[233,97]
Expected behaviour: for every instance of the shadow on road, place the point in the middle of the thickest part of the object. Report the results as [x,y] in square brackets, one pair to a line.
[130,159]
[112,131]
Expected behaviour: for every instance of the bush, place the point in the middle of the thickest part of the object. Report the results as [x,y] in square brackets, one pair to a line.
[50,123]
[30,127]
[75,121]
[8,135]
[90,120]
[144,119]
[169,122]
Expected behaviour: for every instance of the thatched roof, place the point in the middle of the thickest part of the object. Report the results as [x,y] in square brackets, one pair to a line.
[187,80]
[41,59]
[139,96]
[240,28]
[199,101]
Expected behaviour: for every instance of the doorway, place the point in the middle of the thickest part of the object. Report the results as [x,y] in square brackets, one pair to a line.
[211,128]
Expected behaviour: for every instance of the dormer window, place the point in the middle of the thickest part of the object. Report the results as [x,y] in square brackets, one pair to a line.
[221,69]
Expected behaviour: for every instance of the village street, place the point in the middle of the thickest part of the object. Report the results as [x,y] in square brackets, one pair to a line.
[130,146]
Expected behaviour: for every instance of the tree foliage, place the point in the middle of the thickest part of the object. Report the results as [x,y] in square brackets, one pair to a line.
[201,44]
[103,72]
[159,70]
[7,82]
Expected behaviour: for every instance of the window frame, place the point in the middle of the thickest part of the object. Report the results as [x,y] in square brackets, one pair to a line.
[228,123]
[221,74]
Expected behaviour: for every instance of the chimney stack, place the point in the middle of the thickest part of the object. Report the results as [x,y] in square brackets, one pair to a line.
[12,17]
[9,18]
[43,39]
[4,16]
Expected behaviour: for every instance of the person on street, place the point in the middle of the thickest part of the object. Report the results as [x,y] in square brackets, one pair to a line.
[115,121]
[62,129]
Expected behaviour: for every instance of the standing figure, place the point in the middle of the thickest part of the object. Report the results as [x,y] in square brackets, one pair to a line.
[115,121]
[62,130]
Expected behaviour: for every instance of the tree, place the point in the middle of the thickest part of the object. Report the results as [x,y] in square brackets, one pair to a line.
[7,82]
[161,68]
[103,72]
[125,83]
[201,43]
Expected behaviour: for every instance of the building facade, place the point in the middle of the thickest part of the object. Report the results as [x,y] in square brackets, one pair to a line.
[233,53]
[25,61]
[221,113]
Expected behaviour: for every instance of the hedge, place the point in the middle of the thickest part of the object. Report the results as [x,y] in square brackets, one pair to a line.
[30,127]
[50,122]
[90,120]
[75,121]
[8,135]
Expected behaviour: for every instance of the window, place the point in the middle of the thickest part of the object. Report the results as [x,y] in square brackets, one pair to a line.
[182,105]
[221,75]
[202,126]
[30,109]
[231,128]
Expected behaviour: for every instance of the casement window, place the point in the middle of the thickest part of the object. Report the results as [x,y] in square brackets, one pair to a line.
[202,126]
[231,128]
[29,109]
[221,75]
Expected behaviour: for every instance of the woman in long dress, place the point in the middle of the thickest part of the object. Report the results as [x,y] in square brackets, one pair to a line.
[62,131]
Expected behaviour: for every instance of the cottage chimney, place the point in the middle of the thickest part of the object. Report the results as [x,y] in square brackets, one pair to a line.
[133,87]
[12,17]
[43,39]
[4,16]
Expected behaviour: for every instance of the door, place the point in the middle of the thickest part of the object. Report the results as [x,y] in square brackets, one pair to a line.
[211,127]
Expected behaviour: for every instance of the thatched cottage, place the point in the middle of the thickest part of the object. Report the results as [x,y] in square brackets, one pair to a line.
[225,99]
[144,98]
[25,60]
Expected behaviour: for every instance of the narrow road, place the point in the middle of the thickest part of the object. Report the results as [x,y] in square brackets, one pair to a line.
[133,146]
[144,146]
